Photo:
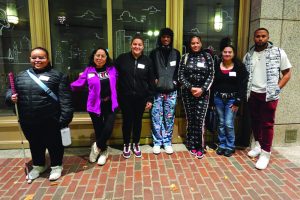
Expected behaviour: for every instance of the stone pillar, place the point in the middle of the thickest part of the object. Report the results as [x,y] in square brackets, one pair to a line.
[282,19]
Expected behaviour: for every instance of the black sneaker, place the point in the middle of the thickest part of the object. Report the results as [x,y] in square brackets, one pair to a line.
[220,151]
[229,152]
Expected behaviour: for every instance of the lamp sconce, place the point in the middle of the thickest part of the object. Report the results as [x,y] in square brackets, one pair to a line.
[218,20]
[12,13]
[153,33]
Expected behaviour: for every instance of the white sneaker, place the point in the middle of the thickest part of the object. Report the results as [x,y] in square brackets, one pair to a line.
[169,149]
[263,160]
[35,172]
[55,173]
[103,157]
[156,149]
[94,153]
[255,151]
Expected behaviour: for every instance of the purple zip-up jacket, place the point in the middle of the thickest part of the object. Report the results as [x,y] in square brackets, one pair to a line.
[90,77]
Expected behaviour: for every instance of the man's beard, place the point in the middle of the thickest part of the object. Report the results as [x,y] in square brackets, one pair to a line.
[260,45]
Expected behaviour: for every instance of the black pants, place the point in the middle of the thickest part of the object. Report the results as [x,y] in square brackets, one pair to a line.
[103,124]
[132,112]
[195,110]
[44,136]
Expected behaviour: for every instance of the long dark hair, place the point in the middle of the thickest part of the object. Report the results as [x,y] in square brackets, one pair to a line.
[108,59]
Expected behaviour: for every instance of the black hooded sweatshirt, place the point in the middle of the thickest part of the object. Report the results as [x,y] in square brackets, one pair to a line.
[165,61]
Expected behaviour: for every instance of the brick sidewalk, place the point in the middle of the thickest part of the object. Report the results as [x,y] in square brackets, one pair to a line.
[179,176]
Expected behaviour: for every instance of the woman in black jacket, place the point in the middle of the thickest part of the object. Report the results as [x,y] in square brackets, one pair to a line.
[135,92]
[229,88]
[41,114]
[196,75]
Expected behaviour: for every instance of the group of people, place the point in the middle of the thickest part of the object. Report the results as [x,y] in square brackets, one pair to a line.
[135,82]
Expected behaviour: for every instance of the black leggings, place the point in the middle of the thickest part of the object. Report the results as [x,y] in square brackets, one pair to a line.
[41,137]
[103,124]
[132,113]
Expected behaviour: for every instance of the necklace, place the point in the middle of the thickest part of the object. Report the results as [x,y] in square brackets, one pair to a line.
[260,54]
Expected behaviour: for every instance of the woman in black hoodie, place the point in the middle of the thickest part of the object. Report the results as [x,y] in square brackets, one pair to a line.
[135,92]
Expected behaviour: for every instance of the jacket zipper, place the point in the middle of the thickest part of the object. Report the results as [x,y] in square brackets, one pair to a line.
[134,71]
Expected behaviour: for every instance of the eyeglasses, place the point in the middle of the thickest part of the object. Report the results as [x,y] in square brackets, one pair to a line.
[38,57]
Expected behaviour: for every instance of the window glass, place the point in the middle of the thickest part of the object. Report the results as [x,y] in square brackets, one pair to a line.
[15,43]
[77,28]
[212,20]
[129,17]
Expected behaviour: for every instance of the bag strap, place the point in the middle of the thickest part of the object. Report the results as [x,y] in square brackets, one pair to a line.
[186,58]
[42,85]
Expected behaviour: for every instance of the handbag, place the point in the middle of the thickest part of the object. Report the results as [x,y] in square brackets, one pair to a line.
[211,119]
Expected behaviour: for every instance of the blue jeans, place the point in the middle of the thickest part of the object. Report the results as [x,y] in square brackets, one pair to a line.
[163,115]
[226,116]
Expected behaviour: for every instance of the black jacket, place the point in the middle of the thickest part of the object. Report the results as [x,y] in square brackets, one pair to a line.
[196,70]
[236,81]
[165,68]
[35,105]
[135,76]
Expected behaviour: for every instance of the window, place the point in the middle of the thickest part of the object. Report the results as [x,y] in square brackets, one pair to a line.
[77,28]
[143,17]
[15,43]
[212,20]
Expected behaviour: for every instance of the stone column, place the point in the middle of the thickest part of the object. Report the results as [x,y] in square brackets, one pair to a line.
[282,19]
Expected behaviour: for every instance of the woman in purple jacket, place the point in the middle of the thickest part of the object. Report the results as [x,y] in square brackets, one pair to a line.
[101,77]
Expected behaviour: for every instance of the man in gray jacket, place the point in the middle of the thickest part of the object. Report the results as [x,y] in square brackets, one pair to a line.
[264,63]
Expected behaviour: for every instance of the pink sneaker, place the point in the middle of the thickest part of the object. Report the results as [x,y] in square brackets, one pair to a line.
[193,152]
[199,154]
[137,150]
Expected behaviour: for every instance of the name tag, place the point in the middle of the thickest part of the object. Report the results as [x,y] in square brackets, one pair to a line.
[91,75]
[141,66]
[173,63]
[200,64]
[44,78]
[232,74]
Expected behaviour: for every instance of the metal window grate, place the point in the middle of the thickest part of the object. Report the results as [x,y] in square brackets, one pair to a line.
[291,136]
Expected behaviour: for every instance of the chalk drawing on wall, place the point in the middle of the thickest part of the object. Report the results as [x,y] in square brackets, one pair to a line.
[152,10]
[98,36]
[195,31]
[127,17]
[88,15]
